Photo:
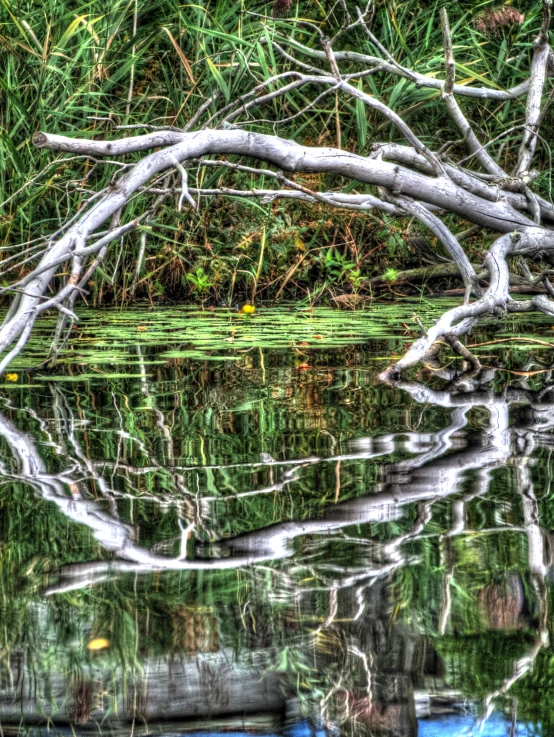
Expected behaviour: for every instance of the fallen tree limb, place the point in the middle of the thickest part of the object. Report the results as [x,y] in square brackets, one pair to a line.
[398,179]
[421,274]
[448,271]
[460,320]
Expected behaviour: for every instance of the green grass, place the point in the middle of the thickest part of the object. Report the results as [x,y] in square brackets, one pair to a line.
[65,68]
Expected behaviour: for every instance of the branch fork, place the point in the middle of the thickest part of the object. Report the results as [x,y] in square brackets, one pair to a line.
[397,178]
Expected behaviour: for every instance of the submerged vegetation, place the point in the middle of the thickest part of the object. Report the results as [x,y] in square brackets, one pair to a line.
[109,340]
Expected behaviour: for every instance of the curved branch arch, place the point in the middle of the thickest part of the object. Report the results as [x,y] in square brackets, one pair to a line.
[408,179]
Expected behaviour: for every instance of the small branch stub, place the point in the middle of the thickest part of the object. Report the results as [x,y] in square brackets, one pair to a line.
[40,140]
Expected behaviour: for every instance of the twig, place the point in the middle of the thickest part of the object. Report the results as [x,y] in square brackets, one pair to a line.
[185,194]
[454,109]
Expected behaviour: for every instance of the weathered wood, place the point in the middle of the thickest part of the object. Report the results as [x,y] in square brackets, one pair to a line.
[460,320]
[423,273]
[409,179]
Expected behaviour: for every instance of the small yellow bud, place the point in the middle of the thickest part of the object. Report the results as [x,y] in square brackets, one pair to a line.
[12,377]
[99,643]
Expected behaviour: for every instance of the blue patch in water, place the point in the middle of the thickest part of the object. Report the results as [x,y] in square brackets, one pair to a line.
[457,726]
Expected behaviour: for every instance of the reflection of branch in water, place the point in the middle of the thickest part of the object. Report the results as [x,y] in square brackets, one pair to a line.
[65,423]
[160,418]
[437,468]
[537,569]
[523,665]
[503,443]
[447,560]
[117,537]
[458,527]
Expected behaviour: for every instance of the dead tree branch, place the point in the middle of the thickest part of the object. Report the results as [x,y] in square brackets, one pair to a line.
[396,178]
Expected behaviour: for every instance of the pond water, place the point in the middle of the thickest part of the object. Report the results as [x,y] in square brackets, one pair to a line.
[218,526]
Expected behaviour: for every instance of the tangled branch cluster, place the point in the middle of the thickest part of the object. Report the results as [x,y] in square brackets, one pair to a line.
[408,179]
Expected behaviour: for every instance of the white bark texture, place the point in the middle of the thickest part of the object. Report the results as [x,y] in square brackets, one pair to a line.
[407,179]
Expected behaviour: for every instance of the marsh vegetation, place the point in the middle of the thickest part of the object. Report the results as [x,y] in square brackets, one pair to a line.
[261,74]
[330,513]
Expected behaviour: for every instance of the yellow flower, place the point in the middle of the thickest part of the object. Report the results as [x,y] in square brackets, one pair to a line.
[99,643]
[247,309]
[12,377]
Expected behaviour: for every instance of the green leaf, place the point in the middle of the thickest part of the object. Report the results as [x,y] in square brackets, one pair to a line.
[221,35]
[361,121]
[221,83]
[10,94]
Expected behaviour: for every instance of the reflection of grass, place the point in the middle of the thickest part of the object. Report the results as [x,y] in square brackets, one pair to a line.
[229,415]
[189,418]
[233,418]
[478,664]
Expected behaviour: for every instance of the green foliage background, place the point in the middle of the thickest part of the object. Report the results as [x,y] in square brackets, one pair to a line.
[72,67]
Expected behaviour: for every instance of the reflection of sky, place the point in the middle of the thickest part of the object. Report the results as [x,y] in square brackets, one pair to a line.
[446,726]
[454,725]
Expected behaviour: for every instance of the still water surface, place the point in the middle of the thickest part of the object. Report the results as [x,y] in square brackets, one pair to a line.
[270,540]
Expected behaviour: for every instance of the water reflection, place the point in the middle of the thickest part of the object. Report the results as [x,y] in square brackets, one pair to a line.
[255,547]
